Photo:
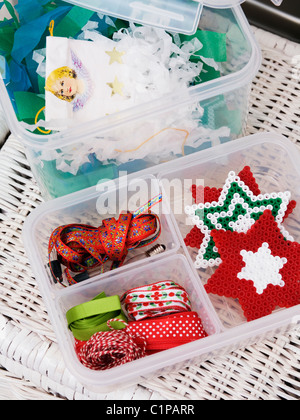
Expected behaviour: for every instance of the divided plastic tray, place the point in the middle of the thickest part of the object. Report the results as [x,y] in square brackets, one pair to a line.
[275,163]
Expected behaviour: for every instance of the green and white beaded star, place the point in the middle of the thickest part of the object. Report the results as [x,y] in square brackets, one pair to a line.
[236,210]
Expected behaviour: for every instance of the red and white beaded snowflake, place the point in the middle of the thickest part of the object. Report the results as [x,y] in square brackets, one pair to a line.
[260,268]
[207,195]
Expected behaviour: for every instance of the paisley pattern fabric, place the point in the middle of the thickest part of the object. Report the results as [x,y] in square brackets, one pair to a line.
[80,247]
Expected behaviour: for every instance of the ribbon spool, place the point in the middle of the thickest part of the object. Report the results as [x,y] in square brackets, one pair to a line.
[108,349]
[88,318]
[83,247]
[154,300]
[167,332]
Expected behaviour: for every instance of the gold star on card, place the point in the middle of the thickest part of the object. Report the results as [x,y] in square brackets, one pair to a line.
[115,56]
[116,87]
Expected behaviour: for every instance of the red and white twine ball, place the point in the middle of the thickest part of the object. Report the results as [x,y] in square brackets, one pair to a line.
[109,349]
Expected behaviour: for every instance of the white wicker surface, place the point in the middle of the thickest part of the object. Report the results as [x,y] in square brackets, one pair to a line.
[32,366]
[4,131]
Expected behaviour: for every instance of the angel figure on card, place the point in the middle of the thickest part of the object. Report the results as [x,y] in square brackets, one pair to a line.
[71,84]
[88,80]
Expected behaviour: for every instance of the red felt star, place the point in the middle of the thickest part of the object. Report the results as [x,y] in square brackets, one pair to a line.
[259,268]
[195,237]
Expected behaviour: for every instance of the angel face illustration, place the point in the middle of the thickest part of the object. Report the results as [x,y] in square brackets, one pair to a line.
[63,84]
[71,85]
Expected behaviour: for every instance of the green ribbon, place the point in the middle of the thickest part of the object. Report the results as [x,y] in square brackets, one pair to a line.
[6,39]
[88,318]
[213,45]
[12,12]
[73,22]
[28,105]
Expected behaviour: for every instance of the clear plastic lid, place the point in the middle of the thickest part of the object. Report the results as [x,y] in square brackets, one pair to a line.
[230,3]
[180,16]
[222,4]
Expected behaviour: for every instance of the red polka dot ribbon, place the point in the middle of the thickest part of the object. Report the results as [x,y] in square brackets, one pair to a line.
[154,300]
[82,247]
[109,349]
[169,331]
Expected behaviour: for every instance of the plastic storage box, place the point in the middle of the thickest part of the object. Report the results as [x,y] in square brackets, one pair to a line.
[275,164]
[79,157]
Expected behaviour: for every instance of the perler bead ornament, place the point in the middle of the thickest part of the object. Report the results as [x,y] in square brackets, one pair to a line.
[213,194]
[260,268]
[207,195]
[200,194]
[237,209]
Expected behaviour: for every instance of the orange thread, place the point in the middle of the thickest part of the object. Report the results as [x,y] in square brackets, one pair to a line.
[152,137]
[51,27]
[35,121]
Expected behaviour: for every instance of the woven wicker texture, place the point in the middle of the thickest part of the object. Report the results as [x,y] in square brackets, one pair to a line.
[4,131]
[32,366]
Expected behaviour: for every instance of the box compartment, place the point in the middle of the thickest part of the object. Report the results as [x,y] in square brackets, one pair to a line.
[92,207]
[275,164]
[88,206]
[174,267]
